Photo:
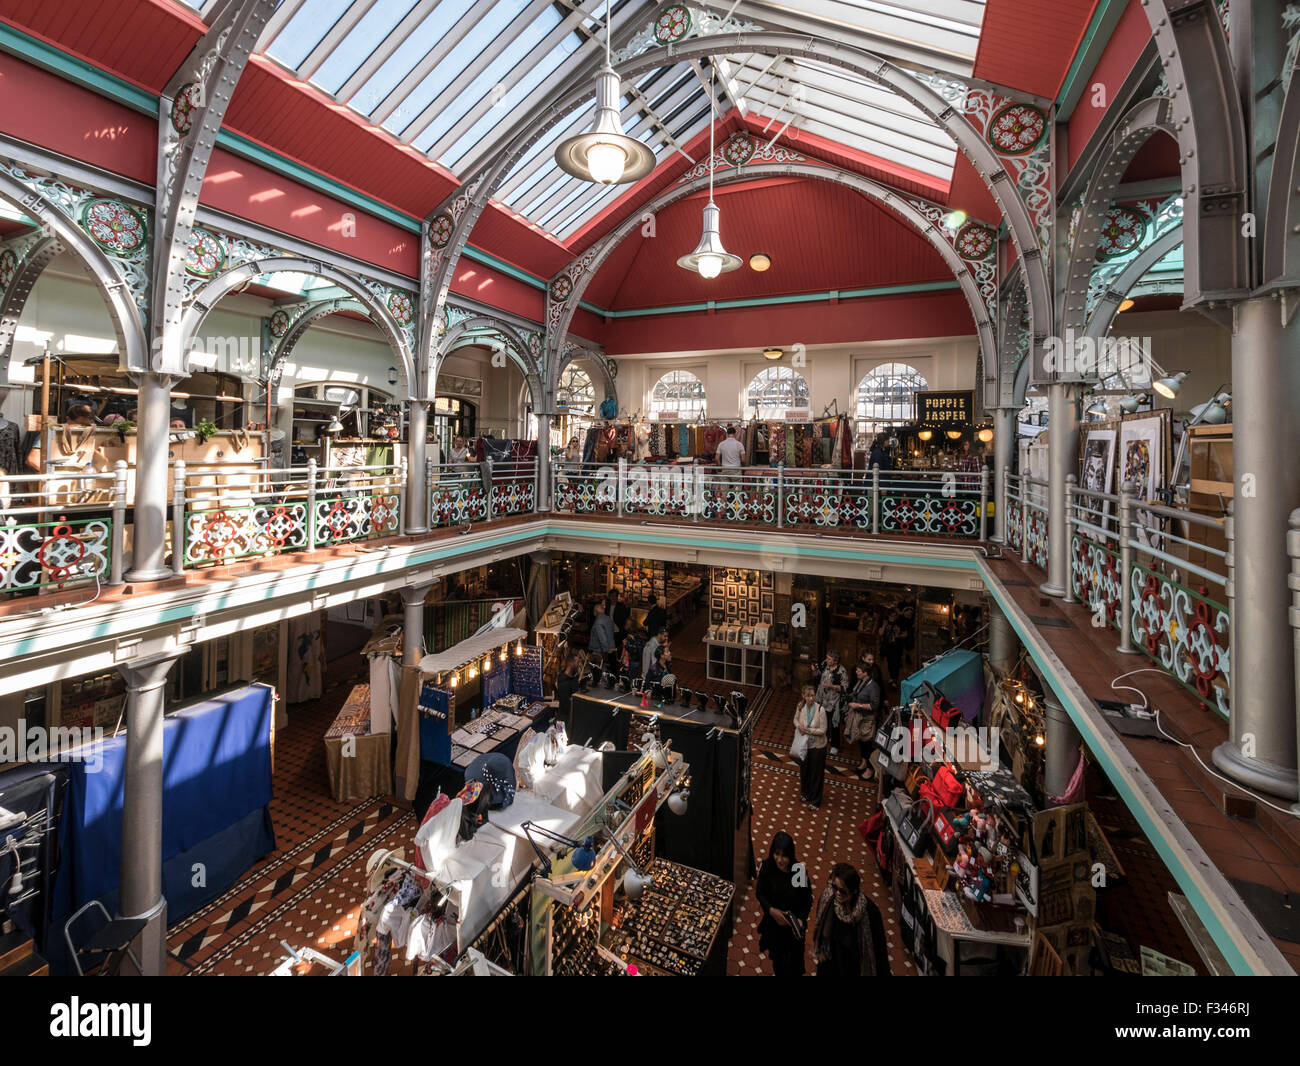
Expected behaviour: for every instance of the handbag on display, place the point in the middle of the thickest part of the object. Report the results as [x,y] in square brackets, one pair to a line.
[944,833]
[945,715]
[885,731]
[945,790]
[915,779]
[914,828]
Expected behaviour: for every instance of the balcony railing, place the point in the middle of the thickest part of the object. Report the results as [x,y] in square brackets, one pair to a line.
[1027,518]
[479,492]
[929,503]
[1130,566]
[61,528]
[232,513]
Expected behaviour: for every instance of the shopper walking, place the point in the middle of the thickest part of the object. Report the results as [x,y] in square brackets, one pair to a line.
[785,898]
[849,938]
[658,638]
[602,640]
[810,723]
[618,612]
[830,695]
[657,617]
[862,714]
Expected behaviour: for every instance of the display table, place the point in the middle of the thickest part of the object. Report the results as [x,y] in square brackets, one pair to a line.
[495,730]
[358,763]
[737,664]
[960,943]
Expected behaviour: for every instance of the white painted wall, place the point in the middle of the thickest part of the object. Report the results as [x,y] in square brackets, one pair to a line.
[833,371]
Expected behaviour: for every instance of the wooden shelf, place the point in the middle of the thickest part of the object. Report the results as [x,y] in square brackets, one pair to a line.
[737,664]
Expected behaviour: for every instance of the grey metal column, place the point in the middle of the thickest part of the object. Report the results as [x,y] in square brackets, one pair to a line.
[1293,550]
[141,894]
[413,597]
[1261,749]
[539,585]
[417,473]
[1003,645]
[1062,454]
[1062,755]
[544,460]
[1004,458]
[153,487]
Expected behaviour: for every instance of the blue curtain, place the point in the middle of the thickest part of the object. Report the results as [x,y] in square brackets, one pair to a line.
[959,675]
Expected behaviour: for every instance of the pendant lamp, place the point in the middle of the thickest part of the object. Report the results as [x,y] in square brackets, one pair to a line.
[606,154]
[709,258]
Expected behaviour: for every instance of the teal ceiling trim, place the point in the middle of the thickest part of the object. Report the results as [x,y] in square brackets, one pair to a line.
[800,298]
[1105,17]
[37,52]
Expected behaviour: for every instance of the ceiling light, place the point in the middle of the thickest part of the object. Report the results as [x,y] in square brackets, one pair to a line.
[1168,387]
[759,262]
[985,435]
[606,154]
[1127,304]
[709,258]
[954,434]
[772,353]
[925,434]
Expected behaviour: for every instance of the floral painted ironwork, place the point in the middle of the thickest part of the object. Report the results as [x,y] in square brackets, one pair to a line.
[513,495]
[399,305]
[355,516]
[185,103]
[928,512]
[115,227]
[457,498]
[225,534]
[1036,537]
[43,555]
[1095,578]
[740,501]
[1186,632]
[975,241]
[1122,232]
[1015,525]
[827,505]
[738,149]
[279,322]
[672,23]
[8,267]
[205,254]
[441,227]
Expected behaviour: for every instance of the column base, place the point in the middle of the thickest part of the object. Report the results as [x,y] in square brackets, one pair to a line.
[416,530]
[161,574]
[151,945]
[1256,773]
[1048,589]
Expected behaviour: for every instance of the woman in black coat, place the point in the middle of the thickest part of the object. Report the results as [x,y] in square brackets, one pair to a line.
[785,897]
[849,938]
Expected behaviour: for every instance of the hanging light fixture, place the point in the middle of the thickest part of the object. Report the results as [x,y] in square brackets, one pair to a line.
[709,258]
[501,656]
[954,434]
[925,434]
[1168,387]
[985,435]
[487,663]
[606,154]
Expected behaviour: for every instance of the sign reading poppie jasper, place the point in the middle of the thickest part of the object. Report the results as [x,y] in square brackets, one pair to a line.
[945,408]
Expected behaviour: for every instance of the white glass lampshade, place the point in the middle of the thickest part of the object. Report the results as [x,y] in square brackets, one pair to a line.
[606,162]
[710,266]
[606,154]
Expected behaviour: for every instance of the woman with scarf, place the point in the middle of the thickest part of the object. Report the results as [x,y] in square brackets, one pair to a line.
[849,938]
[861,713]
[785,897]
[830,696]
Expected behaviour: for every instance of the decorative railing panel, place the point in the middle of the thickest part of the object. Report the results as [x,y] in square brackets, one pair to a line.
[226,534]
[1095,579]
[41,556]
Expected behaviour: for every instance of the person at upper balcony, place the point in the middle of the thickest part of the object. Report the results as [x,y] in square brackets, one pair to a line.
[878,457]
[573,452]
[731,453]
[459,452]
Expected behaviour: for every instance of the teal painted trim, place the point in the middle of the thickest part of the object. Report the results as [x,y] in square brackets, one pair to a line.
[509,269]
[964,562]
[802,298]
[76,70]
[1174,860]
[1099,19]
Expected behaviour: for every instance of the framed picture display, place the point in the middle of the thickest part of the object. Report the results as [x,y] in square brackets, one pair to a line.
[1098,461]
[767,581]
[767,603]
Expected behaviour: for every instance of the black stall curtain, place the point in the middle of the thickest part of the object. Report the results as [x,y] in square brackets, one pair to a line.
[705,836]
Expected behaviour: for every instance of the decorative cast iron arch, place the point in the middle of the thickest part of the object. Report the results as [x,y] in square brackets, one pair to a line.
[63,233]
[1210,128]
[514,347]
[1103,315]
[1147,119]
[307,316]
[457,216]
[1282,221]
[606,369]
[559,313]
[207,297]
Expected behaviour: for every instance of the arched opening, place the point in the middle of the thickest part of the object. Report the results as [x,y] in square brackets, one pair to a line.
[886,397]
[679,394]
[778,391]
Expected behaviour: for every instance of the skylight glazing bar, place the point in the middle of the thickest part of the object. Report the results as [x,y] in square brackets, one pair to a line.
[341,28]
[425,67]
[417,13]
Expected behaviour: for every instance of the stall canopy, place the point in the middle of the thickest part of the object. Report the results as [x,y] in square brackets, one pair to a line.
[469,650]
[959,675]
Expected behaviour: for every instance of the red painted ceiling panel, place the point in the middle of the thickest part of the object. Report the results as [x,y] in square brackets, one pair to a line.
[1029,44]
[1158,158]
[1117,60]
[820,237]
[42,108]
[881,318]
[143,41]
[971,194]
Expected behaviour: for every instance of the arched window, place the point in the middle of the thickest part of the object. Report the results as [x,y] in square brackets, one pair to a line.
[885,396]
[775,391]
[575,402]
[678,394]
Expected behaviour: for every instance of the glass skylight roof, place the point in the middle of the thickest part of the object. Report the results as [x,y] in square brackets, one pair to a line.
[456,78]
